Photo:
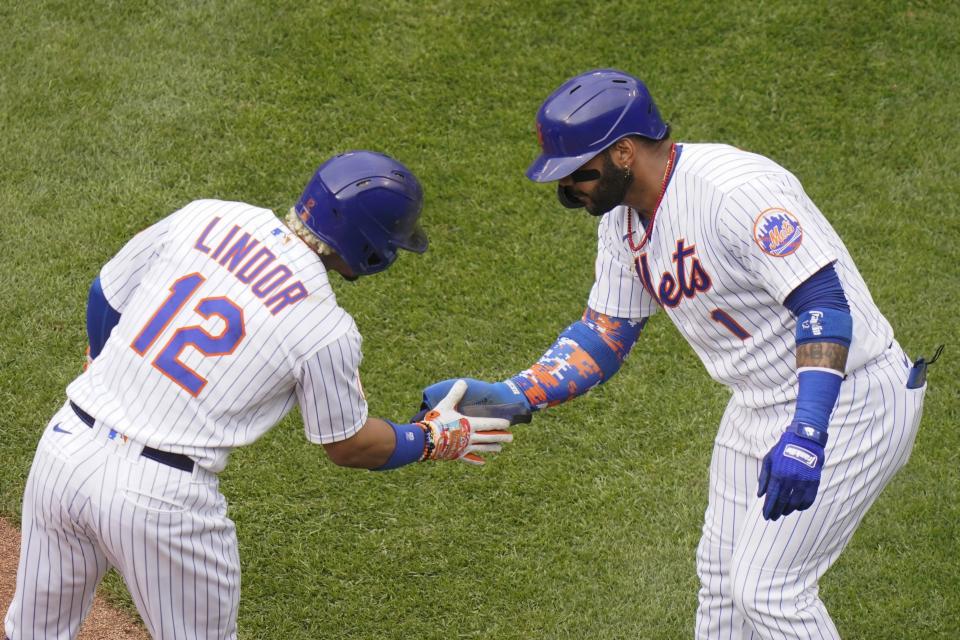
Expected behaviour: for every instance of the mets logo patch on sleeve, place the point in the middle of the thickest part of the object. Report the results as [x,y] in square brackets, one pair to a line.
[777,232]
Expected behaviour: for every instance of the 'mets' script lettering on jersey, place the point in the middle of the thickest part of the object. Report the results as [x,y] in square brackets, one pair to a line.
[238,253]
[689,276]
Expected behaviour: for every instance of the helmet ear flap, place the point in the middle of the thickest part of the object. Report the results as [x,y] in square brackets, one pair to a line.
[377,260]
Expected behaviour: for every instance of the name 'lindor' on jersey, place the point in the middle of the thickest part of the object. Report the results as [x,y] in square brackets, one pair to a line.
[251,267]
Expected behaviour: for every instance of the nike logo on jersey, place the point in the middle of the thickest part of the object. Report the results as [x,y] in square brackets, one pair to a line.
[59,429]
[689,276]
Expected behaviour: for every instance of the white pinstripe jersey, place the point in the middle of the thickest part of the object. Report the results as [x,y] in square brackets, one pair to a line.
[733,236]
[226,319]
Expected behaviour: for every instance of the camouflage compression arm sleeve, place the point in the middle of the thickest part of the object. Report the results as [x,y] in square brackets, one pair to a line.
[587,353]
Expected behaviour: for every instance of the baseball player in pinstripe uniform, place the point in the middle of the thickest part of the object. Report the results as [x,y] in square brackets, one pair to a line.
[824,403]
[205,330]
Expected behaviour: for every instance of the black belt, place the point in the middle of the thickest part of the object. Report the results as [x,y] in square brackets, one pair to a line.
[175,460]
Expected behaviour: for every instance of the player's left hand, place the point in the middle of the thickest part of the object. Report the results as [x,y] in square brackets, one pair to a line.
[790,475]
[454,436]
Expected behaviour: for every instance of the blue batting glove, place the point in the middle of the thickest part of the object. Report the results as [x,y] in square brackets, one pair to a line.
[484,399]
[790,475]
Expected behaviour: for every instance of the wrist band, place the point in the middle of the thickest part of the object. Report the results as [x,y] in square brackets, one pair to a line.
[410,445]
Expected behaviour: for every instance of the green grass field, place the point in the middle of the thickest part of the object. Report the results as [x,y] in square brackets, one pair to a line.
[113,114]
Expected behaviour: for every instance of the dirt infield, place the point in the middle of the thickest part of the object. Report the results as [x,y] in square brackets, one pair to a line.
[103,623]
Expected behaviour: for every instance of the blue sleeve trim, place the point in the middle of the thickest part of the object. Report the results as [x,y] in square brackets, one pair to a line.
[821,290]
[410,440]
[605,357]
[101,318]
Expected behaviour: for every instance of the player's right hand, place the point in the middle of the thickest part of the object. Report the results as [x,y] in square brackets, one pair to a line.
[482,399]
[454,436]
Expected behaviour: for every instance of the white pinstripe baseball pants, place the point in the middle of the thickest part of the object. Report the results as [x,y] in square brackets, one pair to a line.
[91,502]
[759,578]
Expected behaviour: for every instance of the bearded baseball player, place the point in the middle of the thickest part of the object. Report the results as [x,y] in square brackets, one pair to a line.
[824,402]
[205,330]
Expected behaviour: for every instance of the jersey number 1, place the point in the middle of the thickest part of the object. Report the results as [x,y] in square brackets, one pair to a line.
[168,360]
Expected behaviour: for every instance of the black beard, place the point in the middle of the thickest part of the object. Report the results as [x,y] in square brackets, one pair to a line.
[611,189]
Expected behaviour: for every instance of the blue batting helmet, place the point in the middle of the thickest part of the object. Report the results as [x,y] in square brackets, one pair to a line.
[365,206]
[586,115]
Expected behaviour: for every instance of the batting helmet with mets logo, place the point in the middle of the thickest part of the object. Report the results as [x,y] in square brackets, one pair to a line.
[587,114]
[365,206]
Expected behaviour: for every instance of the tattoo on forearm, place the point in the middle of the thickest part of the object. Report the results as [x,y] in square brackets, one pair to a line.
[822,354]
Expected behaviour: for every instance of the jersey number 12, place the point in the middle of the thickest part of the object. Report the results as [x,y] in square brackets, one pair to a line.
[167,360]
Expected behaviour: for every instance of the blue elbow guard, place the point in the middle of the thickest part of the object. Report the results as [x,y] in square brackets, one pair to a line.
[825,325]
[409,447]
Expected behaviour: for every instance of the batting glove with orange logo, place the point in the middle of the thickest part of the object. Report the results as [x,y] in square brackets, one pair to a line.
[450,435]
